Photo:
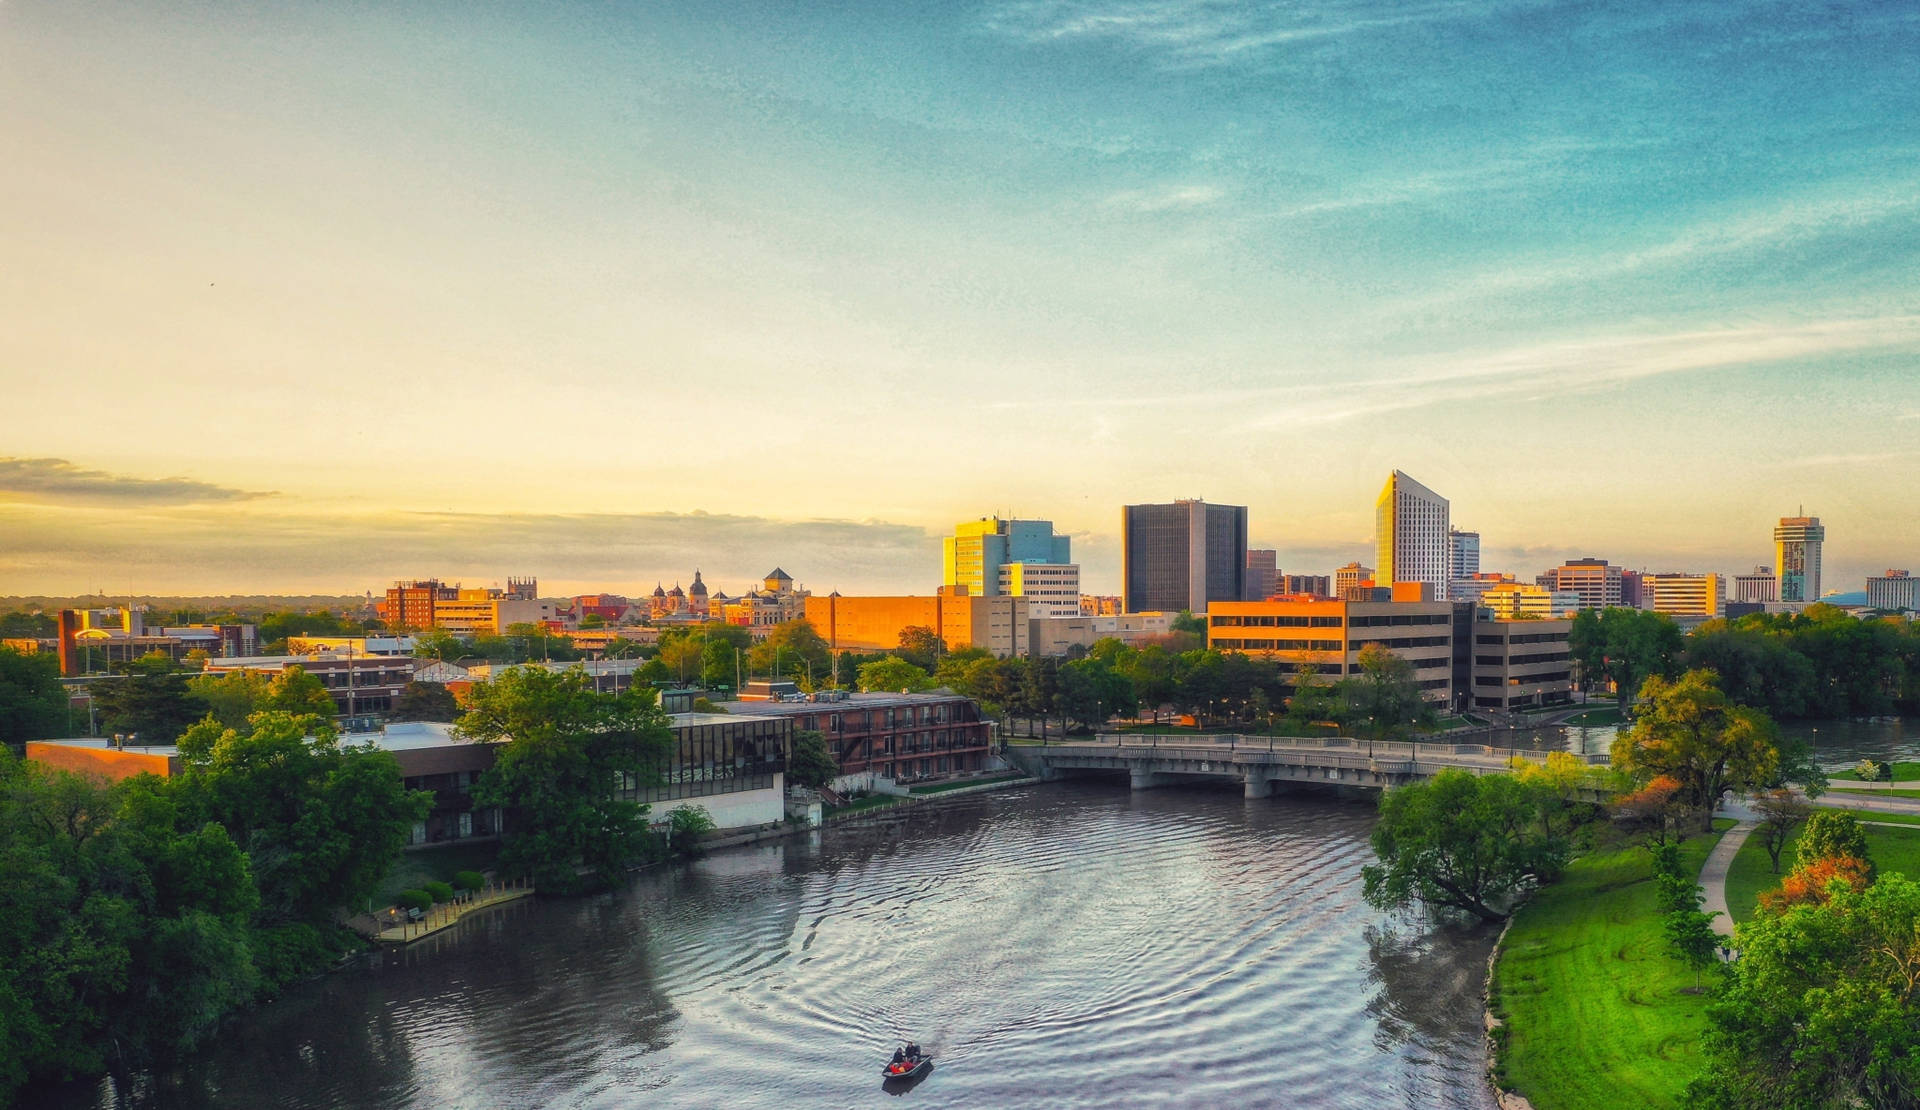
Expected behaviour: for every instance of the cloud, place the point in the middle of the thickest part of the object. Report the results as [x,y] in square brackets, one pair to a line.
[1857,458]
[60,481]
[1175,199]
[212,548]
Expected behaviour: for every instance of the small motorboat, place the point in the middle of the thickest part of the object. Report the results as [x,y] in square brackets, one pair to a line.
[912,1068]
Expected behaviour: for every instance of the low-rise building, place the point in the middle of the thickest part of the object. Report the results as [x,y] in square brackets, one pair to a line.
[903,737]
[1761,585]
[1332,634]
[1058,636]
[1521,663]
[1894,590]
[1683,595]
[1599,583]
[1510,601]
[359,684]
[997,624]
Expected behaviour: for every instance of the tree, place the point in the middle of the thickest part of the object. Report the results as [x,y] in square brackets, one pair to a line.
[793,649]
[810,763]
[425,701]
[564,748]
[1780,811]
[1312,700]
[1384,694]
[921,646]
[1624,647]
[1187,621]
[1818,1010]
[1690,931]
[681,655]
[296,692]
[1655,809]
[891,675]
[1689,731]
[1829,833]
[1460,841]
[321,822]
[149,698]
[1815,882]
[1556,784]
[33,705]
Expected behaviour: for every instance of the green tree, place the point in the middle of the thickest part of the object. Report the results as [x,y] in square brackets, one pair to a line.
[921,646]
[149,698]
[296,692]
[719,664]
[1312,700]
[566,753]
[1829,833]
[811,763]
[680,653]
[233,696]
[1624,647]
[321,822]
[439,644]
[425,701]
[792,649]
[1187,621]
[1384,695]
[1460,841]
[1689,731]
[33,705]
[1690,932]
[1818,1010]
[893,674]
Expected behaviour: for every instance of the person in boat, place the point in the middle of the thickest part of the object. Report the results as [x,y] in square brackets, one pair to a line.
[899,1055]
[913,1051]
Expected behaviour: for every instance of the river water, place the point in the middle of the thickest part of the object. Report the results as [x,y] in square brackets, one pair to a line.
[1067,945]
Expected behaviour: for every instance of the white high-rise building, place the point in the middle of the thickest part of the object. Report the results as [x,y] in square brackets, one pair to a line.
[1411,526]
[1759,586]
[1796,557]
[1895,589]
[1465,552]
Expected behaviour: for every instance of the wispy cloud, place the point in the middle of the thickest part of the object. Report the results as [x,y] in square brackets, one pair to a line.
[1172,199]
[1859,458]
[1195,34]
[58,480]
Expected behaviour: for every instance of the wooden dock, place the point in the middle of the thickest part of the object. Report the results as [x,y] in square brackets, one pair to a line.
[445,915]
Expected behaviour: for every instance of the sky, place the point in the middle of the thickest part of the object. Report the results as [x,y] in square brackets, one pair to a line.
[306,297]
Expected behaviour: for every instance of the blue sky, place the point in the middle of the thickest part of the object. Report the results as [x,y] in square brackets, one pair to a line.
[1629,279]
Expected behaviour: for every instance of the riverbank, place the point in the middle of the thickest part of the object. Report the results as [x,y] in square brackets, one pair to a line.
[1585,986]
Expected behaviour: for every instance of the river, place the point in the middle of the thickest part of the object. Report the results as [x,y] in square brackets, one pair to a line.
[1067,945]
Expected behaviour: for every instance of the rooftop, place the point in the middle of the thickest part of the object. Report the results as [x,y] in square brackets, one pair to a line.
[852,701]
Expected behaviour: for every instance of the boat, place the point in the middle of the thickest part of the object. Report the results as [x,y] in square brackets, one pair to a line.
[911,1069]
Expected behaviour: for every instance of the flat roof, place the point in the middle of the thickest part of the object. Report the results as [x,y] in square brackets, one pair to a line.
[852,701]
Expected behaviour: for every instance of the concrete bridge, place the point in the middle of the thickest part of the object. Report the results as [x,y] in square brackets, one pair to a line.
[1260,763]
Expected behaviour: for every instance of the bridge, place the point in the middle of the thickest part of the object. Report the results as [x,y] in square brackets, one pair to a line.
[1260,763]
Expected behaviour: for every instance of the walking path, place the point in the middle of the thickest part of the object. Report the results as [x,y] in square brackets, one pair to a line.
[1713,875]
[448,914]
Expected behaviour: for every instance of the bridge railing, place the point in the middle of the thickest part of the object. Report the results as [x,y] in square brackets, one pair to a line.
[1368,750]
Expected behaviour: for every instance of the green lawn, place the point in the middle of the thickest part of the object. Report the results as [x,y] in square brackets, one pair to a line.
[871,801]
[414,868]
[1875,815]
[1610,715]
[1902,772]
[1893,850]
[1868,792]
[1592,994]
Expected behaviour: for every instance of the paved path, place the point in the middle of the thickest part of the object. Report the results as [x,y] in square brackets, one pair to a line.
[1713,875]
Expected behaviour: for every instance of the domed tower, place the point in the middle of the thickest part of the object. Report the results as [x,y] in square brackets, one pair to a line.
[697,596]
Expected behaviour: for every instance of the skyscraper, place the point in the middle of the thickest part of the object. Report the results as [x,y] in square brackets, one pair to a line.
[1464,552]
[1183,555]
[1014,558]
[1263,572]
[1410,532]
[1796,557]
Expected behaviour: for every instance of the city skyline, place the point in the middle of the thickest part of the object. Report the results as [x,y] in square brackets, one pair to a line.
[619,292]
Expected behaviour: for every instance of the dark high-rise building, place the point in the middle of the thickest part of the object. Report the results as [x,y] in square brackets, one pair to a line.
[1263,571]
[1183,555]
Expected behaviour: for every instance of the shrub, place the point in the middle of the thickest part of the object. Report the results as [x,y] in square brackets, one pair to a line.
[284,954]
[414,900]
[441,892]
[1831,833]
[1869,771]
[469,880]
[685,827]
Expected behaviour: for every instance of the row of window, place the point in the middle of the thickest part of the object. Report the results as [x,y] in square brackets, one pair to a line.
[1236,621]
[1522,660]
[1385,620]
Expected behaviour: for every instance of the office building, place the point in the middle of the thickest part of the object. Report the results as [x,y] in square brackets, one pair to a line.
[1762,585]
[1598,582]
[1463,552]
[1263,573]
[902,737]
[1683,595]
[1182,556]
[430,603]
[991,557]
[1303,585]
[1347,577]
[1893,590]
[1520,601]
[1796,557]
[1411,526]
[1470,588]
[359,684]
[1632,592]
[1517,664]
[1331,634]
[997,624]
[1057,636]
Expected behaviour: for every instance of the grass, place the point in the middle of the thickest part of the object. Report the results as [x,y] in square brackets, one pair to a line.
[1611,715]
[871,801]
[1592,994]
[416,867]
[1890,792]
[1902,772]
[1893,850]
[942,787]
[1876,815]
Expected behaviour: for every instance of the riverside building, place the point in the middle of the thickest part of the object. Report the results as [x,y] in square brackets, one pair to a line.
[1332,634]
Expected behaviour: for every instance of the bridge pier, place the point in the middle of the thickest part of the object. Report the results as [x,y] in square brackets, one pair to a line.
[1147,780]
[1258,785]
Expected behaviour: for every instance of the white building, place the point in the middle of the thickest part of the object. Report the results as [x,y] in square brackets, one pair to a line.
[1759,586]
[1464,548]
[1895,589]
[1051,589]
[1411,527]
[1597,581]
